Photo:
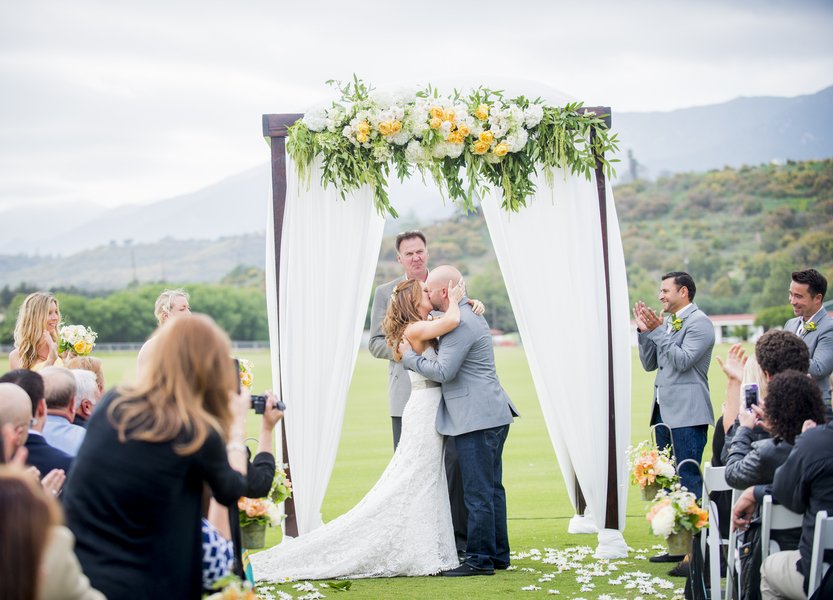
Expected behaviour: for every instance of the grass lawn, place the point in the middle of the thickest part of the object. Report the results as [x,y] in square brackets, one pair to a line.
[537,501]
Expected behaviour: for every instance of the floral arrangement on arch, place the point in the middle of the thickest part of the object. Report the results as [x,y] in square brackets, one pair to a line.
[76,338]
[648,465]
[676,511]
[498,141]
[265,511]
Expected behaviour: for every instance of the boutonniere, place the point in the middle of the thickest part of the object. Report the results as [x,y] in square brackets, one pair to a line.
[810,326]
[676,323]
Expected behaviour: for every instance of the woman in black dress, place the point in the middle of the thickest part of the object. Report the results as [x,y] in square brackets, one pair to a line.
[133,499]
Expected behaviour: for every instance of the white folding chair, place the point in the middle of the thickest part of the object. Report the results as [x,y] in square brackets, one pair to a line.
[732,564]
[822,540]
[714,480]
[773,518]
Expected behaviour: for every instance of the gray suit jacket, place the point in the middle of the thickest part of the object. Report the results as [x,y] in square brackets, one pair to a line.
[465,365]
[820,344]
[399,384]
[682,357]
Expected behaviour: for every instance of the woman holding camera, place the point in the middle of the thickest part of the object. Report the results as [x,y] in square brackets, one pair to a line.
[134,497]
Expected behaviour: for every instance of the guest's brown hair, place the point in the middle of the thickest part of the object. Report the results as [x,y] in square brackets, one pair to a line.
[184,391]
[27,517]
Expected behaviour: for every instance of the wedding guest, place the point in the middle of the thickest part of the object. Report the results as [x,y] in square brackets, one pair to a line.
[89,363]
[38,558]
[36,333]
[182,425]
[679,348]
[813,325]
[804,484]
[59,391]
[86,396]
[170,303]
[41,455]
[16,411]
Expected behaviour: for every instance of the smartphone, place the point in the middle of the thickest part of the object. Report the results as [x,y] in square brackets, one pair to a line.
[750,395]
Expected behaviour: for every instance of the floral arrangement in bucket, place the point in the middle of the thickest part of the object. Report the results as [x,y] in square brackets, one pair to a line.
[76,338]
[258,513]
[497,141]
[651,468]
[676,516]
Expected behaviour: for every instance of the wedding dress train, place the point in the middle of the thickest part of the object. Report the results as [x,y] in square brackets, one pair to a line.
[401,527]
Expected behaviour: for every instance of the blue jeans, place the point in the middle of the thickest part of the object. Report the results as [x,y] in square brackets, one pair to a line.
[688,443]
[481,465]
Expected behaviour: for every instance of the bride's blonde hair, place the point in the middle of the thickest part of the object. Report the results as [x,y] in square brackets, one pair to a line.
[402,311]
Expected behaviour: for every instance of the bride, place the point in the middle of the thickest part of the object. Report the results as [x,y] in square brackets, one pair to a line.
[403,525]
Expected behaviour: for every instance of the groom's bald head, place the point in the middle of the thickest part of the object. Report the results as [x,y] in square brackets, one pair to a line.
[437,283]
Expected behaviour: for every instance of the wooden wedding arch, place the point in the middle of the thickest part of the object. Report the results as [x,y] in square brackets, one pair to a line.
[275,130]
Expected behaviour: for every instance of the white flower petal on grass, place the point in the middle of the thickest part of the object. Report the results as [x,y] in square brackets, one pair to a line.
[530,588]
[553,592]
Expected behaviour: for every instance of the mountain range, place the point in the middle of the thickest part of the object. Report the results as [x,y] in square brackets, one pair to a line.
[744,131]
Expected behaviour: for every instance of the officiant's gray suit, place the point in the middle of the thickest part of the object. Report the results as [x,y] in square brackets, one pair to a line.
[820,344]
[476,411]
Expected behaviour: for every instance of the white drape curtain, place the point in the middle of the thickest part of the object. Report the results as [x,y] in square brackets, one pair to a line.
[550,255]
[328,257]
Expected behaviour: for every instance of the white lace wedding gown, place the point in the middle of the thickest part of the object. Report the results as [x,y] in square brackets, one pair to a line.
[401,527]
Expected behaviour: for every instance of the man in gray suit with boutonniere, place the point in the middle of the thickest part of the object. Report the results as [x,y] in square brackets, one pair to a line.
[679,348]
[476,413]
[813,325]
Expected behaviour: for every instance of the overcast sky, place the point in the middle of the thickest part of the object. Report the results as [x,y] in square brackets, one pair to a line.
[114,102]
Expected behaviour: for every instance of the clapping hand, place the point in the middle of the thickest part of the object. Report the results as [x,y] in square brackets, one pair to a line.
[54,481]
[646,318]
[734,363]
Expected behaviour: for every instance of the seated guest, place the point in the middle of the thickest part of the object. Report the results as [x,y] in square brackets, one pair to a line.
[789,403]
[89,363]
[182,425]
[38,560]
[42,456]
[59,390]
[776,351]
[86,396]
[804,484]
[15,411]
[36,333]
[170,303]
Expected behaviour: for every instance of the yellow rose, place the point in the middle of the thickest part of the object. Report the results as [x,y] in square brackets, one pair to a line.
[480,147]
[449,115]
[88,347]
[455,137]
[435,122]
[482,112]
[396,126]
[363,127]
[501,149]
[79,346]
[487,136]
[362,137]
[385,128]
[463,129]
[436,112]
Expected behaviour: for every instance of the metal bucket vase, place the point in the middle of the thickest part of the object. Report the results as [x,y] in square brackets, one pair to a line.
[253,536]
[650,491]
[679,543]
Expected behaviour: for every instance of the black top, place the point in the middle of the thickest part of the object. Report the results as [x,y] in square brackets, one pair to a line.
[134,508]
[46,457]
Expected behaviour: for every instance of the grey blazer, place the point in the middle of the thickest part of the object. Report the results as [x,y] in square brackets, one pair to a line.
[399,384]
[682,357]
[465,365]
[820,344]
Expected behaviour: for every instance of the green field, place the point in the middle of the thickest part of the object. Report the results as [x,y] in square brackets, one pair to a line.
[538,505]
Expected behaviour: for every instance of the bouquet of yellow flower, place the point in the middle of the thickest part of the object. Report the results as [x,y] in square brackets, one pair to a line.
[77,338]
[651,468]
[247,376]
[676,514]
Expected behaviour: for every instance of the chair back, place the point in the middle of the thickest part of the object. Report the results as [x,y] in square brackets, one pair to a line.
[775,517]
[822,540]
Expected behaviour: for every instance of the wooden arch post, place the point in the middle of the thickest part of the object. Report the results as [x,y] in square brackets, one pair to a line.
[275,131]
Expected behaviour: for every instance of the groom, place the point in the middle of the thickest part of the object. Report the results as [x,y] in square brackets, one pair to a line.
[476,412]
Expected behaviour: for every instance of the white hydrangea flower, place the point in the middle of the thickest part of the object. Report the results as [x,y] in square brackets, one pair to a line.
[663,523]
[416,154]
[400,139]
[315,119]
[446,127]
[382,153]
[517,139]
[664,468]
[533,115]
